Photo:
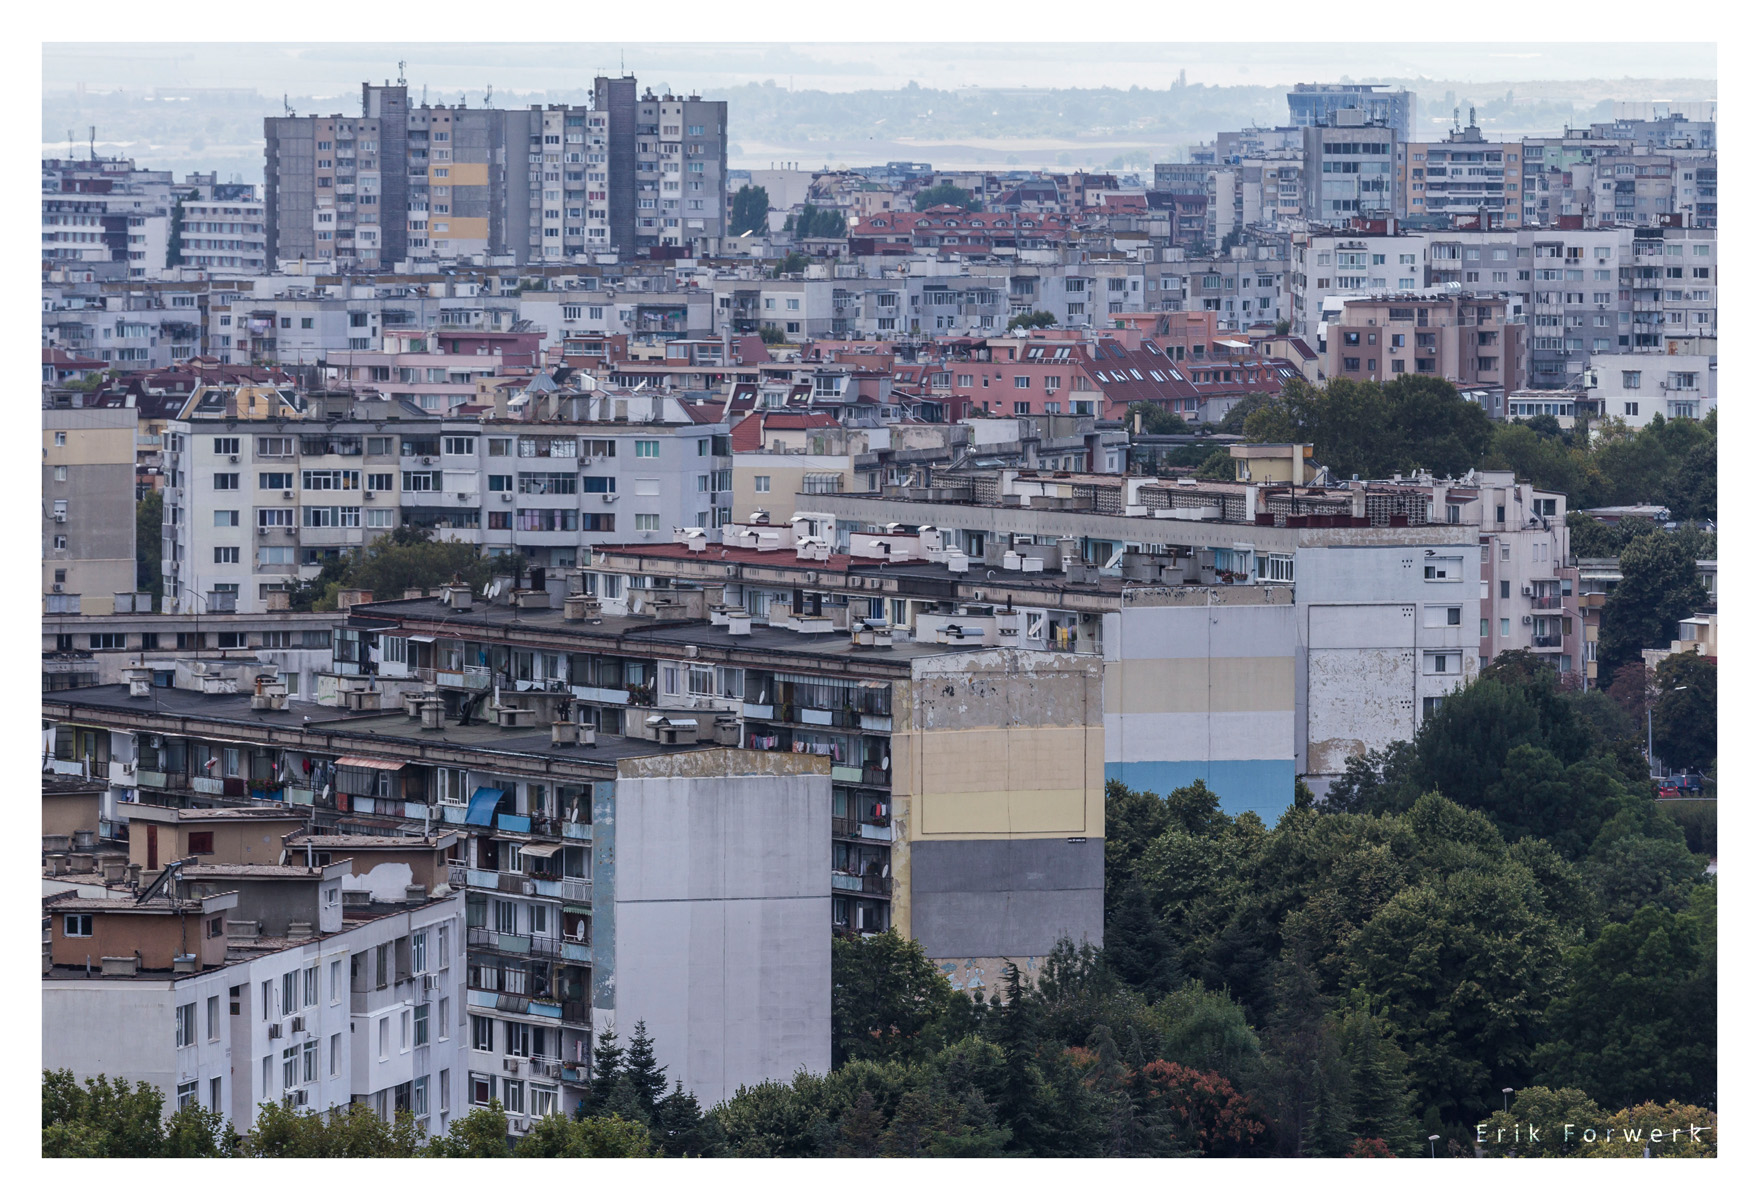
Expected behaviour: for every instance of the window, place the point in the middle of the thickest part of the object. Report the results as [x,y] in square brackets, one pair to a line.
[226,518]
[513,1095]
[647,449]
[214,1018]
[760,483]
[384,1038]
[201,843]
[1503,589]
[482,1033]
[214,1086]
[335,1055]
[290,1068]
[336,982]
[1442,569]
[418,953]
[1503,625]
[186,1025]
[77,925]
[459,445]
[311,987]
[227,482]
[225,554]
[421,1024]
[186,1095]
[403,1030]
[445,1009]
[268,1074]
[647,522]
[289,992]
[1483,627]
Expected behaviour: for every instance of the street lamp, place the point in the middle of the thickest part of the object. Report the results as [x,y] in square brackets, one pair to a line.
[1433,1138]
[1505,1098]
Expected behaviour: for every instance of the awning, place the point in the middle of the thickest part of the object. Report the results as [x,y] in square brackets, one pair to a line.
[419,637]
[372,764]
[482,806]
[539,849]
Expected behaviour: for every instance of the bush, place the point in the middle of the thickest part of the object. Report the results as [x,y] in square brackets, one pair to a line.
[1698,818]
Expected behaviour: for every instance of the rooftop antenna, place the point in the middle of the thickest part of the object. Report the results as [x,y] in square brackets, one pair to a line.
[93,130]
[286,107]
[489,96]
[401,82]
[70,145]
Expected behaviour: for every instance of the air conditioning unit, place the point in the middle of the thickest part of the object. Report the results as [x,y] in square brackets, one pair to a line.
[506,497]
[60,518]
[370,495]
[529,887]
[512,1065]
[608,498]
[1526,589]
[427,462]
[1526,619]
[518,1124]
[296,1098]
[430,983]
[286,495]
[464,495]
[298,1024]
[275,1032]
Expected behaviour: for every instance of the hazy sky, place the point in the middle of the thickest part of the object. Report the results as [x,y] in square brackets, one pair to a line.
[337,69]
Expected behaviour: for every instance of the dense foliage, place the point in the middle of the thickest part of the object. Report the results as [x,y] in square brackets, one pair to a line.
[407,557]
[750,211]
[1376,429]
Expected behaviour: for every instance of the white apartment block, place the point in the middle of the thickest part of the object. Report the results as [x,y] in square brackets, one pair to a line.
[252,507]
[361,1008]
[1637,388]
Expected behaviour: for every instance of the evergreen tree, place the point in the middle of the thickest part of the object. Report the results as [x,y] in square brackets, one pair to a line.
[646,1077]
[607,1068]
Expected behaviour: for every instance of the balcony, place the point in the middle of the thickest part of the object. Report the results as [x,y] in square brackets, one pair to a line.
[1547,641]
[471,679]
[869,885]
[532,1006]
[1550,600]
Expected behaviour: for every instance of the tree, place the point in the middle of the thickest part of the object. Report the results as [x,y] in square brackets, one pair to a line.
[792,263]
[1440,431]
[1685,710]
[750,212]
[1282,329]
[149,516]
[1539,1122]
[1036,319]
[1616,1028]
[104,1119]
[480,1133]
[644,1073]
[1464,964]
[1671,1130]
[681,1128]
[1219,466]
[884,995]
[1154,418]
[556,1136]
[1659,588]
[946,193]
[607,1068]
[1207,1114]
[816,222]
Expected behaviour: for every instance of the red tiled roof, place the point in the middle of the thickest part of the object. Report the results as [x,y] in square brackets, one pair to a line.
[747,435]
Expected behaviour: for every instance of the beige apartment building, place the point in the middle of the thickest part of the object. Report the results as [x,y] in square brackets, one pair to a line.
[88,508]
[1467,340]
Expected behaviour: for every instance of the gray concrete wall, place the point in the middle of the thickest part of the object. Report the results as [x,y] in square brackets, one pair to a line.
[969,897]
[722,915]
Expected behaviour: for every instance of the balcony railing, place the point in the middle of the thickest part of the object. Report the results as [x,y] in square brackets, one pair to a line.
[1553,600]
[1544,641]
[872,885]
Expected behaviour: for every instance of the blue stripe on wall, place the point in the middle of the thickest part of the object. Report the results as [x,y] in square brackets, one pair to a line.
[1263,786]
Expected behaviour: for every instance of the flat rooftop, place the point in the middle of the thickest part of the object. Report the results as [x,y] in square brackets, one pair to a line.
[401,735]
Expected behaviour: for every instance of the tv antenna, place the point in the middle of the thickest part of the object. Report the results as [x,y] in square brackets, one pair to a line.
[92,131]
[401,64]
[489,96]
[286,107]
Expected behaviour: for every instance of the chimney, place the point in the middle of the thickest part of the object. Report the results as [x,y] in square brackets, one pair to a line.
[433,714]
[134,876]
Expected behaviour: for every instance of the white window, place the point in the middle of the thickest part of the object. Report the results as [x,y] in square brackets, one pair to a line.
[384,1038]
[647,522]
[335,1055]
[186,1024]
[311,987]
[213,1018]
[77,925]
[186,1095]
[760,483]
[418,952]
[336,981]
[1442,569]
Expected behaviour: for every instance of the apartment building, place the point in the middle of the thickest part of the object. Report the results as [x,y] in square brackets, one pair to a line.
[434,183]
[1326,263]
[1637,388]
[1557,176]
[88,650]
[920,838]
[1465,339]
[263,487]
[88,509]
[226,230]
[1314,104]
[1357,587]
[230,986]
[601,879]
[1350,170]
[1463,176]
